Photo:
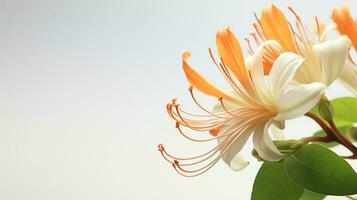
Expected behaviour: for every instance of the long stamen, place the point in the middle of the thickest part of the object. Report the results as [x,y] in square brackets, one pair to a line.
[224,107]
[210,153]
[197,125]
[192,173]
[318,28]
[223,70]
[240,91]
[226,74]
[206,167]
[200,106]
[254,36]
[299,24]
[196,140]
[251,51]
[207,127]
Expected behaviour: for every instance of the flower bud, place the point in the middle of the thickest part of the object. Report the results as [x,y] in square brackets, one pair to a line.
[326,109]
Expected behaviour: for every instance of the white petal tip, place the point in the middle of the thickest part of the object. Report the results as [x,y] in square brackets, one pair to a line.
[238,166]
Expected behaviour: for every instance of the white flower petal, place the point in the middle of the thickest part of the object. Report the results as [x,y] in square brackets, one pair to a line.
[299,100]
[238,163]
[332,56]
[283,71]
[255,66]
[348,77]
[232,157]
[264,145]
[277,130]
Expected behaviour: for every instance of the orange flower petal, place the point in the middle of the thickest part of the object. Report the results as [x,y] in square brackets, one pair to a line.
[276,27]
[345,24]
[230,51]
[200,83]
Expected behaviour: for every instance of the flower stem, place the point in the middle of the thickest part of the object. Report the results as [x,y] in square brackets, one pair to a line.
[342,139]
[332,134]
[317,139]
[325,127]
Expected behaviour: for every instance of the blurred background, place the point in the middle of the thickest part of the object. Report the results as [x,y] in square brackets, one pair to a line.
[83,89]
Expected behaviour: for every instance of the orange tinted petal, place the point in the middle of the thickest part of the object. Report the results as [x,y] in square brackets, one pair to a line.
[276,27]
[230,51]
[270,55]
[200,83]
[345,24]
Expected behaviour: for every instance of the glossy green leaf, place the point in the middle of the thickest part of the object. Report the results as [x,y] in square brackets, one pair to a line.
[308,195]
[345,110]
[320,170]
[272,183]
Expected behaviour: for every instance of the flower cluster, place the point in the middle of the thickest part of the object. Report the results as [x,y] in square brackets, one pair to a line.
[285,76]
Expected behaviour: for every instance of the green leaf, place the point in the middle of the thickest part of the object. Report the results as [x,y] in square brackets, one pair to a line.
[272,183]
[345,109]
[308,195]
[320,170]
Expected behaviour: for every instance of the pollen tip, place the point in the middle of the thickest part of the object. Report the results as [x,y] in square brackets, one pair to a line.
[176,162]
[160,147]
[190,88]
[177,125]
[220,98]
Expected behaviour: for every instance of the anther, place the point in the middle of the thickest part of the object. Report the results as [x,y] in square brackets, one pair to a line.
[160,147]
[175,164]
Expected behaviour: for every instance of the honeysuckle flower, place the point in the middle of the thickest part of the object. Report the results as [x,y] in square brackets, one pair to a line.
[347,26]
[324,61]
[255,102]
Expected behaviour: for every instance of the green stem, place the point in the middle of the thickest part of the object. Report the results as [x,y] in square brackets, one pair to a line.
[317,139]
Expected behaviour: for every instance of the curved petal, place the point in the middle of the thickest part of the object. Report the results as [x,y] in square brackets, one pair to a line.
[264,145]
[277,130]
[348,77]
[332,56]
[276,27]
[299,100]
[345,23]
[231,53]
[232,157]
[203,85]
[283,71]
[255,65]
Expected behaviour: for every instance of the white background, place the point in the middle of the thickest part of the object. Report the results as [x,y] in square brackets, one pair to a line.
[83,89]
